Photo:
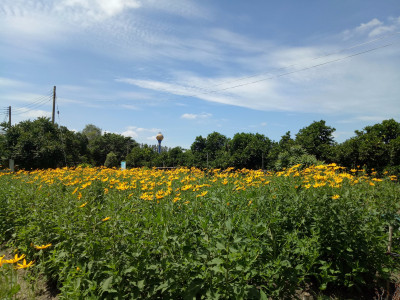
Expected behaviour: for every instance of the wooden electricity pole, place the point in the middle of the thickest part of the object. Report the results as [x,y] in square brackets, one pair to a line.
[54,104]
[9,116]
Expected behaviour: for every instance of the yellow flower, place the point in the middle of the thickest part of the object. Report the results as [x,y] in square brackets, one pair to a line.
[24,265]
[75,190]
[42,247]
[83,205]
[334,197]
[106,219]
[1,260]
[79,196]
[202,194]
[14,260]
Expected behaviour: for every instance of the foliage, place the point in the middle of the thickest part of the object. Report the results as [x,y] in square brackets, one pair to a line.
[41,144]
[111,160]
[295,155]
[249,150]
[377,147]
[210,151]
[317,140]
[186,233]
[91,132]
[141,157]
[100,146]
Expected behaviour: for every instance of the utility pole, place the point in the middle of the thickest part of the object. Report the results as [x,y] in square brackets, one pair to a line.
[54,104]
[10,161]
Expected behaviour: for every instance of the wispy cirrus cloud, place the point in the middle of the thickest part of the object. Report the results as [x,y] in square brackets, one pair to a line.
[7,82]
[97,9]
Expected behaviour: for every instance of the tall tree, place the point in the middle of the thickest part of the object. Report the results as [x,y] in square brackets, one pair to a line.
[249,150]
[100,146]
[317,139]
[35,144]
[91,132]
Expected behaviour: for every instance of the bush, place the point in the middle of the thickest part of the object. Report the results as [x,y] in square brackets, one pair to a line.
[111,160]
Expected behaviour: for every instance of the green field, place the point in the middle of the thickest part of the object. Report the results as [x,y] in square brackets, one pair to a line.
[195,234]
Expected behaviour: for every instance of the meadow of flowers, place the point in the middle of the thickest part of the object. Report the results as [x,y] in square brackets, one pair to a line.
[202,234]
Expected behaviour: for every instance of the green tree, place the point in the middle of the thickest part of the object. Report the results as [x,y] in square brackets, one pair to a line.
[91,132]
[100,146]
[199,152]
[249,150]
[210,151]
[277,148]
[295,155]
[35,144]
[141,157]
[111,160]
[317,139]
[375,146]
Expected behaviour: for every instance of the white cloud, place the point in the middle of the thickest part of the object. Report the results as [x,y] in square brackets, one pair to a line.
[128,106]
[372,118]
[98,9]
[6,82]
[348,86]
[380,30]
[367,26]
[24,114]
[139,133]
[373,28]
[196,116]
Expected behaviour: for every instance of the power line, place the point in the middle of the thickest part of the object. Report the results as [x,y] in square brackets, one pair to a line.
[208,91]
[312,59]
[38,102]
[292,72]
[35,102]
[23,111]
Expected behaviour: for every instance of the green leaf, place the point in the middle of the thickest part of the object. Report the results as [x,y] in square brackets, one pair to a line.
[140,284]
[228,225]
[216,261]
[263,296]
[220,246]
[106,284]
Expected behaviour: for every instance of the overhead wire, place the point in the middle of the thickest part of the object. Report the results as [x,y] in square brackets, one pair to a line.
[384,37]
[35,102]
[39,102]
[207,90]
[290,72]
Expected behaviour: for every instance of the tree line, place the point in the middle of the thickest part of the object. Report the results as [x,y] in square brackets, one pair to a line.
[40,144]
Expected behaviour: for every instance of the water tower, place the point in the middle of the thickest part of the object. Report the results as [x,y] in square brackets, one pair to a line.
[159,138]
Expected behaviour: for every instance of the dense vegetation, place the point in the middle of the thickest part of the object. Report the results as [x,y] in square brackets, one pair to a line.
[41,144]
[193,234]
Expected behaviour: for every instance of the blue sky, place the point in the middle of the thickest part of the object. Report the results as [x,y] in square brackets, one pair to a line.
[188,68]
